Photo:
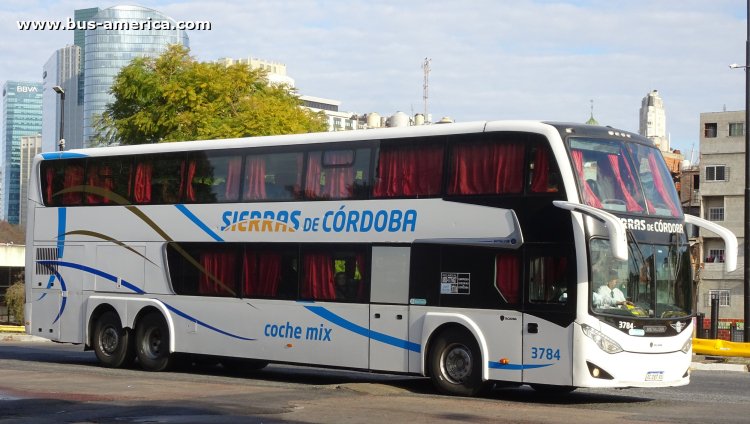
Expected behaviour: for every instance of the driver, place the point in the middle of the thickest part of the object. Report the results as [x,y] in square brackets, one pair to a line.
[609,295]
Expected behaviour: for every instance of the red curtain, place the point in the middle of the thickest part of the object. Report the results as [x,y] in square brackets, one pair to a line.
[99,177]
[632,204]
[219,274]
[261,274]
[331,182]
[318,280]
[540,177]
[188,181]
[659,184]
[49,190]
[589,197]
[255,178]
[409,171]
[488,168]
[73,178]
[507,276]
[232,190]
[142,190]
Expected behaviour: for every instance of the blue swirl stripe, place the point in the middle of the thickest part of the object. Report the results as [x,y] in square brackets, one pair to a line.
[362,331]
[62,155]
[515,367]
[198,222]
[134,289]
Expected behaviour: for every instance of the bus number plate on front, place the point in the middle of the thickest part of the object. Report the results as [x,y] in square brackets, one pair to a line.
[655,376]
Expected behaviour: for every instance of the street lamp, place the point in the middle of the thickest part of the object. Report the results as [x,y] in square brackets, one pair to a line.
[59,90]
[746,220]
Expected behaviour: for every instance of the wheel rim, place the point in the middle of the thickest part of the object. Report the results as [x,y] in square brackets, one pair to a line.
[456,363]
[151,343]
[109,340]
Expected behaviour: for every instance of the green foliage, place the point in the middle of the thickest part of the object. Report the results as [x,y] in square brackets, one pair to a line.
[10,233]
[173,97]
[15,298]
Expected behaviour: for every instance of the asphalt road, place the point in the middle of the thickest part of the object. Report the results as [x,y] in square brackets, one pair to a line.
[50,383]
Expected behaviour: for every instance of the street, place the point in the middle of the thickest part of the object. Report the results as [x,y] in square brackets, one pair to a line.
[46,382]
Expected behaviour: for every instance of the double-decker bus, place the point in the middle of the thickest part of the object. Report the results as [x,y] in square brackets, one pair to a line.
[548,254]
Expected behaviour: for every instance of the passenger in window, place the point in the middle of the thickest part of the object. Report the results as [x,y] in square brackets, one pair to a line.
[346,288]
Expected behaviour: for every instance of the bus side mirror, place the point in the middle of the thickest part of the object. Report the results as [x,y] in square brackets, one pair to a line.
[617,235]
[730,240]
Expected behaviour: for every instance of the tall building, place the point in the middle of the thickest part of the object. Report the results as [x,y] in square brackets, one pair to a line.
[30,146]
[653,120]
[62,69]
[79,39]
[722,176]
[22,115]
[106,51]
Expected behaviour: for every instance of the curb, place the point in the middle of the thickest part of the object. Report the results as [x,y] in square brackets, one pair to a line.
[20,337]
[700,366]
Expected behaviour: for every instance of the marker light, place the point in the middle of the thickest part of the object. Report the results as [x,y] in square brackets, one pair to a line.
[504,361]
[687,346]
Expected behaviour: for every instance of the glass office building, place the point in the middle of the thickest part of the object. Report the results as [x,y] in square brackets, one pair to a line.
[22,116]
[109,50]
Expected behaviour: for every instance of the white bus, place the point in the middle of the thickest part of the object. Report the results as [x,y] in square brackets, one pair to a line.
[548,254]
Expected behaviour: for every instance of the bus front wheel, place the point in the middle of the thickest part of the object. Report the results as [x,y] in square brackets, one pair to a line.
[112,343]
[152,342]
[456,363]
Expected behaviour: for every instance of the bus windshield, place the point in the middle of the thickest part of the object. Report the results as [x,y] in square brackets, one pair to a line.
[654,283]
[623,177]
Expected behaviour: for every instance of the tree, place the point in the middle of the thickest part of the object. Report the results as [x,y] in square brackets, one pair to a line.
[10,233]
[173,97]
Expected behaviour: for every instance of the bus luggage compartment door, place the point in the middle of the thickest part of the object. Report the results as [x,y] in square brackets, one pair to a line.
[389,309]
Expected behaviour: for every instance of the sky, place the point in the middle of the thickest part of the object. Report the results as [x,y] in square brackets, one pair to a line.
[490,59]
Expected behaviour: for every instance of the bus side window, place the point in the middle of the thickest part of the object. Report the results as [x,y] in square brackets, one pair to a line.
[219,273]
[269,274]
[108,181]
[507,277]
[73,181]
[544,177]
[339,275]
[548,279]
[338,174]
[211,179]
[273,176]
[486,167]
[409,170]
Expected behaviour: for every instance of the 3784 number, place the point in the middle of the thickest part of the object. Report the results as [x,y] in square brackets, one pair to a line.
[545,353]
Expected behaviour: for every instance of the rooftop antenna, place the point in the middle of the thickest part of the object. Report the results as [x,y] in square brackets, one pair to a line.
[426,68]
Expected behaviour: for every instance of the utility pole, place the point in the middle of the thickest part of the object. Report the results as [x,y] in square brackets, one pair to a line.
[425,87]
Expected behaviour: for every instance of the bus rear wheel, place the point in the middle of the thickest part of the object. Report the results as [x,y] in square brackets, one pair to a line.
[456,363]
[152,343]
[112,343]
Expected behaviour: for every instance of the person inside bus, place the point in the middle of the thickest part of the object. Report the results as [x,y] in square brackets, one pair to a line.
[346,289]
[609,296]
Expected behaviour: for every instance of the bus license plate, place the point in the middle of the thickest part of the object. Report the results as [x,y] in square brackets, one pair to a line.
[655,376]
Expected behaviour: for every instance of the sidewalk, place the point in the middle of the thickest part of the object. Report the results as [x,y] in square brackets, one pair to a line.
[17,333]
[720,363]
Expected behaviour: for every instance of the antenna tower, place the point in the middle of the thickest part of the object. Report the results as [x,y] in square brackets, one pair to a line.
[426,68]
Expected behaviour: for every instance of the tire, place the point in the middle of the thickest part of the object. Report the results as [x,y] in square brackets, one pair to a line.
[113,344]
[455,363]
[152,343]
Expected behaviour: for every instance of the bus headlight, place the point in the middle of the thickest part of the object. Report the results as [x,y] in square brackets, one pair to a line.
[605,343]
[687,346]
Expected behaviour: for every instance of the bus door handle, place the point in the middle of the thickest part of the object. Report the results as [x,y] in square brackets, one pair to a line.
[532,327]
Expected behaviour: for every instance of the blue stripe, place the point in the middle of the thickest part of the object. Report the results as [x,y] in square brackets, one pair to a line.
[203,324]
[135,289]
[198,222]
[62,214]
[515,367]
[62,155]
[64,298]
[362,331]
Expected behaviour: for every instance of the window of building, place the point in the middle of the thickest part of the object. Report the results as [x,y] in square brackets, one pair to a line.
[725,297]
[710,129]
[715,255]
[736,129]
[716,214]
[716,173]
